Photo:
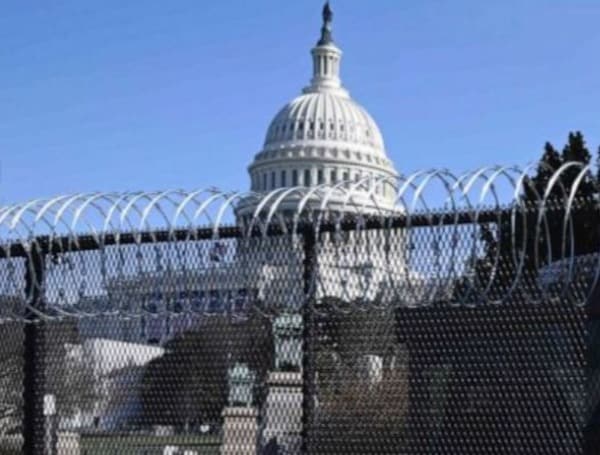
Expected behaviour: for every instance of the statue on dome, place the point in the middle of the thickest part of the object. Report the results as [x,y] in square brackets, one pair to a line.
[327,14]
[326,37]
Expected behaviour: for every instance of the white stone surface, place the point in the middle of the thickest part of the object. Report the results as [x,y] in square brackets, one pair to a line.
[68,443]
[283,411]
[240,431]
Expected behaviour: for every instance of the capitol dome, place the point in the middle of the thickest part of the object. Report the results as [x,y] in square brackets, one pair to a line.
[324,116]
[323,136]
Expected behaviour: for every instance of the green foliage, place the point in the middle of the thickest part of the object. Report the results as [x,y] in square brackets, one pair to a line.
[583,217]
[525,239]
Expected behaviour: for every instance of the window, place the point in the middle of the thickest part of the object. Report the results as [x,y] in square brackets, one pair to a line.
[294,177]
[176,306]
[152,302]
[333,177]
[215,302]
[198,298]
[264,186]
[307,177]
[240,301]
[273,182]
[320,178]
[283,179]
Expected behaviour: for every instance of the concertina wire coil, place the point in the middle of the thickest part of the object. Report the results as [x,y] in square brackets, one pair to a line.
[431,199]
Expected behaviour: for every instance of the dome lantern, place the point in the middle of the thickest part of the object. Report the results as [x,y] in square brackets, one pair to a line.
[326,60]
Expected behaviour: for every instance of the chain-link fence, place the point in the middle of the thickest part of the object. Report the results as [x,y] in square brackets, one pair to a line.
[211,323]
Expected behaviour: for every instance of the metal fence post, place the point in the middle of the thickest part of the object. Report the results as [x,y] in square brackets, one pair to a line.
[308,367]
[34,381]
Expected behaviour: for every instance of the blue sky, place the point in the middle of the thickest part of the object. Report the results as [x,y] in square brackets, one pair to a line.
[116,96]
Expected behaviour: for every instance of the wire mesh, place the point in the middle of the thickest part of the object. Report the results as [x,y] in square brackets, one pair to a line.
[460,318]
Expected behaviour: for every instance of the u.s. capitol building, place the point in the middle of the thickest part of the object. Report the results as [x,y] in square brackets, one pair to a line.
[323,152]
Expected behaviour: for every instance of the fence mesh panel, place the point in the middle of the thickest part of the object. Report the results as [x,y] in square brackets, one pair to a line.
[428,336]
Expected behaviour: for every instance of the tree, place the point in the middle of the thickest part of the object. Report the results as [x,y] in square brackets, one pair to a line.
[523,241]
[575,151]
[361,405]
[189,383]
[550,162]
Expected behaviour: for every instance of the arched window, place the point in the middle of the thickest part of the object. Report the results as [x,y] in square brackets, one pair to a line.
[283,179]
[295,177]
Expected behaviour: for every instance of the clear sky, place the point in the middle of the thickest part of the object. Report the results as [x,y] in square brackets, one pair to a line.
[129,95]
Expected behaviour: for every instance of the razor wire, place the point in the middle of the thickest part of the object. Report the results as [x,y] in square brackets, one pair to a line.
[437,217]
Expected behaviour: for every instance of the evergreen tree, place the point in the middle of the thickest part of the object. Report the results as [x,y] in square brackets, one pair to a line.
[540,242]
[554,241]
[550,162]
[577,151]
[598,165]
[550,230]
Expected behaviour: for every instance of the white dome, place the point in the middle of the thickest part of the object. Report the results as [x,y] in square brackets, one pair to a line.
[323,137]
[323,116]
